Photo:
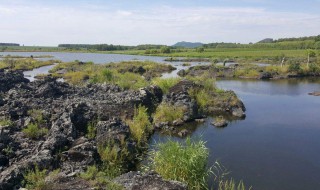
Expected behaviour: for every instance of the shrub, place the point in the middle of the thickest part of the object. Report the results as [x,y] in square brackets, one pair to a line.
[185,162]
[294,67]
[165,84]
[165,49]
[33,131]
[168,113]
[140,126]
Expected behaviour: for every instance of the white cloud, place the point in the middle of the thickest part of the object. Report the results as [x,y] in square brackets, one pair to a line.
[42,25]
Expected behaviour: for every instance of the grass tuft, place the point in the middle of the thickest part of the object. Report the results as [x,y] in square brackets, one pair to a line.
[185,162]
[140,126]
[168,113]
[165,84]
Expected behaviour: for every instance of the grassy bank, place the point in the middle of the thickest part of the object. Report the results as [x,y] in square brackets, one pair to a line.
[24,63]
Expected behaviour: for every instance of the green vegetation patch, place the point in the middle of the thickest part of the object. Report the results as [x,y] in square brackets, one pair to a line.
[33,131]
[165,83]
[185,162]
[140,126]
[25,63]
[168,113]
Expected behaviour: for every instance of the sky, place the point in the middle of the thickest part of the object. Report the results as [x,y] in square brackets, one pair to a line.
[133,22]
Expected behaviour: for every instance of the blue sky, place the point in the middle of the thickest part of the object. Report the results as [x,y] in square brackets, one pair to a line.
[133,22]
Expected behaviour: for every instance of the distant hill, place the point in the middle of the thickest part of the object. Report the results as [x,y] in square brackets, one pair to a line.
[267,40]
[188,44]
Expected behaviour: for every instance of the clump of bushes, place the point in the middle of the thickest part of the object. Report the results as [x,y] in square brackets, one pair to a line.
[140,126]
[168,113]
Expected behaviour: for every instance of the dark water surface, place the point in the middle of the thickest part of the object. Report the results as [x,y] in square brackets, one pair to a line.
[277,146]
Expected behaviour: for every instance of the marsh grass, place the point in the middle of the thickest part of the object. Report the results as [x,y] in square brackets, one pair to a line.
[185,162]
[165,83]
[140,126]
[168,113]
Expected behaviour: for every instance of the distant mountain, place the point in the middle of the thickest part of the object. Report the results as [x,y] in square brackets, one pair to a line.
[267,40]
[188,44]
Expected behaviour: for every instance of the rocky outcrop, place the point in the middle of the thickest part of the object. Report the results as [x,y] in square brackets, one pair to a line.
[66,112]
[147,181]
[178,96]
[220,122]
[8,79]
[227,102]
[314,93]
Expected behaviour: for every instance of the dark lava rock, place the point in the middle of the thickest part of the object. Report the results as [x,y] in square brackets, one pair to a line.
[183,133]
[314,93]
[265,75]
[111,131]
[220,122]
[147,181]
[8,79]
[179,97]
[4,161]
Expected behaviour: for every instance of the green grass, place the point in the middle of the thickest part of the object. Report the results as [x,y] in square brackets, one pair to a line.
[185,162]
[99,179]
[36,179]
[140,126]
[24,63]
[248,54]
[6,122]
[168,113]
[91,130]
[113,157]
[165,83]
[34,132]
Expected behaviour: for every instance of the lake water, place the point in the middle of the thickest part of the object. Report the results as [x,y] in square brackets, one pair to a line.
[276,147]
[96,58]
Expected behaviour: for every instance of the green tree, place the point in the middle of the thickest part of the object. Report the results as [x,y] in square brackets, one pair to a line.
[200,49]
[165,49]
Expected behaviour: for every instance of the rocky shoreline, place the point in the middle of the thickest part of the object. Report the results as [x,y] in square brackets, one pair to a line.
[65,112]
[230,72]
